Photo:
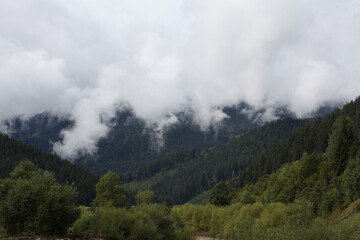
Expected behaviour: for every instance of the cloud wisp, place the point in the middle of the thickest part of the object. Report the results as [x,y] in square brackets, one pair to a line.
[89,59]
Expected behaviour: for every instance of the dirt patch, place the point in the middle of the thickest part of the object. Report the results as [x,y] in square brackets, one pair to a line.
[206,238]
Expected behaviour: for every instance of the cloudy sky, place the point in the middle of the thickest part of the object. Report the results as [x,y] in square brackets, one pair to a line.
[88,59]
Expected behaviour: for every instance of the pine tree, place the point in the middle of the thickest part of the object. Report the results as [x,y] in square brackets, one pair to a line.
[343,143]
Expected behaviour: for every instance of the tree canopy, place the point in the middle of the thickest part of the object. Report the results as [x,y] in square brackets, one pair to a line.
[109,191]
[32,200]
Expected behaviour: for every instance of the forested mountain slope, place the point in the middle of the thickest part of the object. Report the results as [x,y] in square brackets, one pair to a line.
[180,176]
[317,196]
[311,138]
[13,151]
[327,167]
[131,142]
[192,160]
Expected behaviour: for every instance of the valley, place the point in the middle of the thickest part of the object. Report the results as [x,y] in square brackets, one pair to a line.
[282,177]
[179,120]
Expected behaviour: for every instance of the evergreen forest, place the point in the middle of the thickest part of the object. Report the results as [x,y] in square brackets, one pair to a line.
[288,179]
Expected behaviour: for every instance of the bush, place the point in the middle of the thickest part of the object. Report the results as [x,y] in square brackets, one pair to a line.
[112,223]
[32,201]
[144,228]
[161,217]
[280,214]
[153,222]
[82,226]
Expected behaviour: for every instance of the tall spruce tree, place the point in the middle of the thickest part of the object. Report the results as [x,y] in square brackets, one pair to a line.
[343,143]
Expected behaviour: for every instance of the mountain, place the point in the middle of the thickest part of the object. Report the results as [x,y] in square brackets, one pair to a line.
[318,164]
[190,159]
[180,176]
[40,131]
[131,142]
[13,151]
[311,138]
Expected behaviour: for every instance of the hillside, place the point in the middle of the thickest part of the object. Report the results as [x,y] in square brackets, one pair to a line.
[131,142]
[190,159]
[327,171]
[180,176]
[316,196]
[13,151]
[311,139]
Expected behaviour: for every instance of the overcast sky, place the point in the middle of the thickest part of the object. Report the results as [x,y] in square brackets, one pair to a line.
[88,59]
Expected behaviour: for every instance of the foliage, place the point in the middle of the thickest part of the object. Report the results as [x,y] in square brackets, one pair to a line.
[112,223]
[317,184]
[343,143]
[250,157]
[351,179]
[82,225]
[329,180]
[271,221]
[34,202]
[110,192]
[24,170]
[12,152]
[146,196]
[111,219]
[147,221]
[193,171]
[220,195]
[144,228]
[131,142]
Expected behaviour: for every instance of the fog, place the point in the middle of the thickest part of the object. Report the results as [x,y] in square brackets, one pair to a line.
[88,59]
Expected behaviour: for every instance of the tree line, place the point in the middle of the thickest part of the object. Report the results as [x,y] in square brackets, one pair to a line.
[243,161]
[13,151]
[33,202]
[298,201]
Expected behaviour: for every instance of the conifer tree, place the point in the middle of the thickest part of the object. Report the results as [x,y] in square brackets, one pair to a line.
[343,143]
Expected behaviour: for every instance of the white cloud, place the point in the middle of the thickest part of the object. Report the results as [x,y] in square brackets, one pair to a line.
[89,59]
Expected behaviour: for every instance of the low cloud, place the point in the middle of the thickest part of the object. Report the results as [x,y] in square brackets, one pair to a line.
[90,59]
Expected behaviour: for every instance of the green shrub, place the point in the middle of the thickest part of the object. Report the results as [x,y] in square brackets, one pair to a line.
[82,226]
[144,228]
[32,201]
[112,223]
[161,217]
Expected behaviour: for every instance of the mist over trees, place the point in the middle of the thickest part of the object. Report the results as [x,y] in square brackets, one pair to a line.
[305,186]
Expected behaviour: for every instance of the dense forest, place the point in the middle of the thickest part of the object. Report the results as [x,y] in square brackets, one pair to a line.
[315,197]
[244,160]
[289,179]
[13,151]
[131,143]
[180,176]
[189,155]
[312,138]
